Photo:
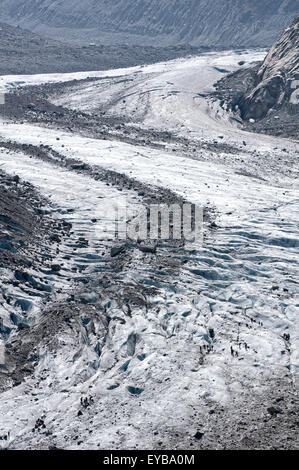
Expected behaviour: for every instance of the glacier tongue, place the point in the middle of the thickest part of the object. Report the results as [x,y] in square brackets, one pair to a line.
[145,349]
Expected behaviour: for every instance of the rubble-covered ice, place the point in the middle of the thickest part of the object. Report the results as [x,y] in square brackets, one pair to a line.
[170,343]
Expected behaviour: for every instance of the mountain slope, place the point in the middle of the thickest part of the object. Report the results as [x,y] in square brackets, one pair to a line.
[201,22]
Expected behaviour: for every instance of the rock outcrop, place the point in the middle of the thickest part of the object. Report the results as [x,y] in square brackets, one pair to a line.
[277,79]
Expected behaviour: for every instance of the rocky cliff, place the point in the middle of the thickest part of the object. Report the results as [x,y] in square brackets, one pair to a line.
[266,96]
[277,79]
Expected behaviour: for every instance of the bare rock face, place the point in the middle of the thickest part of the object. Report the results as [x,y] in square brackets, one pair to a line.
[276,80]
